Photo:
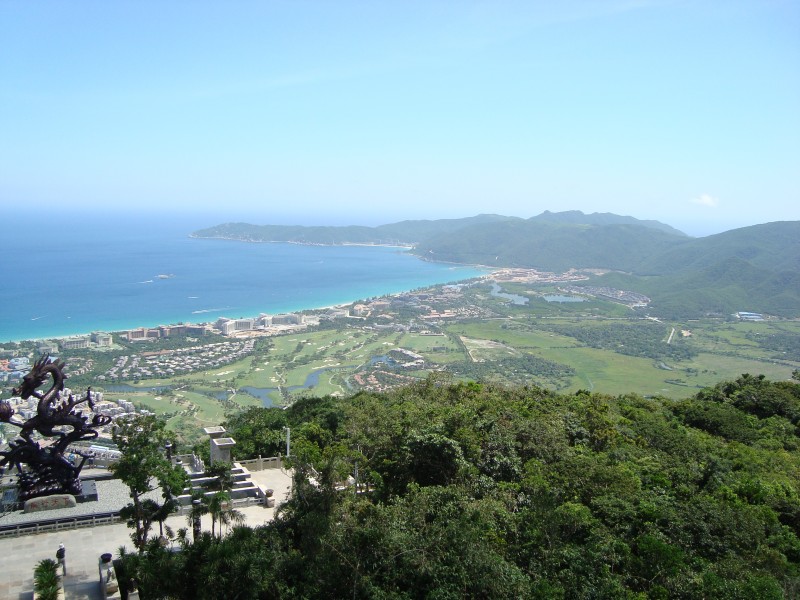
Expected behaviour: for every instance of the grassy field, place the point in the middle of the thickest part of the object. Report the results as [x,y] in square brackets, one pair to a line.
[721,349]
[517,335]
[745,338]
[715,367]
[612,373]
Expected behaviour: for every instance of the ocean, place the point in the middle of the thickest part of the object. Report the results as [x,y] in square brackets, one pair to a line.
[73,274]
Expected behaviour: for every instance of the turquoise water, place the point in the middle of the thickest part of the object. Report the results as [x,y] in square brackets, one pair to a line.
[79,274]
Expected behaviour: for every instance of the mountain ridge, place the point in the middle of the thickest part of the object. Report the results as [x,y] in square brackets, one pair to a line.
[576,216]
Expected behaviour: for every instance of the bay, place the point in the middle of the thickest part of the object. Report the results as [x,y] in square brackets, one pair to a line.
[80,273]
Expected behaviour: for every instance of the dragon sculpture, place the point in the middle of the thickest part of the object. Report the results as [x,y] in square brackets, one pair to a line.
[48,471]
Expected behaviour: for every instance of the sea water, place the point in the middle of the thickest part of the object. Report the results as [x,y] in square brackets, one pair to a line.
[73,274]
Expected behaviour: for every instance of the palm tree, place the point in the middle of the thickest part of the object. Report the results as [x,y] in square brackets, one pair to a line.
[217,505]
[229,517]
[161,514]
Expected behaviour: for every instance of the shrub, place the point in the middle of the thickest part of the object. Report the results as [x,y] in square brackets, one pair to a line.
[45,579]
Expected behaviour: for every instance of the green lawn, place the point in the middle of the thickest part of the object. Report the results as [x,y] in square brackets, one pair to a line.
[426,343]
[613,373]
[514,334]
[720,368]
[730,341]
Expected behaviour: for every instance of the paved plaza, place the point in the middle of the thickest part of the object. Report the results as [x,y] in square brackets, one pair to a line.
[19,555]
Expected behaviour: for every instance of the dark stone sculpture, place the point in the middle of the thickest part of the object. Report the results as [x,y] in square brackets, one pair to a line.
[48,471]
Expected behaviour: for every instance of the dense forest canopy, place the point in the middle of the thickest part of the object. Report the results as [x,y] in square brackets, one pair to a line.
[472,490]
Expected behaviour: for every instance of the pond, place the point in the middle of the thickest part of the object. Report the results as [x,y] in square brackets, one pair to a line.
[515,298]
[386,360]
[263,393]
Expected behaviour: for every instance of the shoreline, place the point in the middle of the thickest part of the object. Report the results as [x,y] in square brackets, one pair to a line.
[188,323]
[326,307]
[406,246]
[58,325]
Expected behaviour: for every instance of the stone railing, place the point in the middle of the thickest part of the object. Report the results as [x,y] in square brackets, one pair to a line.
[59,524]
[191,462]
[259,464]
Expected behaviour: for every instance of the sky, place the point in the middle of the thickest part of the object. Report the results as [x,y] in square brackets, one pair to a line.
[344,112]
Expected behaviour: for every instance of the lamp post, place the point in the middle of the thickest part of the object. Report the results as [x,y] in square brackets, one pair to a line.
[288,441]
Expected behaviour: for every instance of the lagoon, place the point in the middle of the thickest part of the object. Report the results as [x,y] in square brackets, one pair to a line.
[516,299]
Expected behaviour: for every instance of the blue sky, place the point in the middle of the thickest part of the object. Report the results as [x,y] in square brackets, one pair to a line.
[371,112]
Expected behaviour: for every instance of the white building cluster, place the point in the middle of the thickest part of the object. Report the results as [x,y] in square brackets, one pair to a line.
[97,339]
[263,322]
[164,331]
[168,363]
[27,409]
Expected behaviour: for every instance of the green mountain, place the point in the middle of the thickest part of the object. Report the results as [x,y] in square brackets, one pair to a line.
[772,246]
[752,269]
[404,232]
[548,246]
[576,217]
[729,286]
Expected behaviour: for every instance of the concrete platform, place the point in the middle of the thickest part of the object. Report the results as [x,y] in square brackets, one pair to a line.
[19,555]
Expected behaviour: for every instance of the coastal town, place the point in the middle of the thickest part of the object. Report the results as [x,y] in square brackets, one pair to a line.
[429,308]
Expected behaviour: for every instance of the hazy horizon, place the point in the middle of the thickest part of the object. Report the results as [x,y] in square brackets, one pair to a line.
[189,221]
[369,113]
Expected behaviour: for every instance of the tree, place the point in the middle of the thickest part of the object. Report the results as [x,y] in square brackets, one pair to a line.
[219,506]
[144,468]
[161,515]
[257,431]
[221,470]
[216,506]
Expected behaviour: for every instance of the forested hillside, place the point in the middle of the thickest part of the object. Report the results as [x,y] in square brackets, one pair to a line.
[403,232]
[771,246]
[577,217]
[550,246]
[476,491]
[722,289]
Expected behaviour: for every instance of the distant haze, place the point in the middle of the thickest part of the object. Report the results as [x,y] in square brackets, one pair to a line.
[374,112]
